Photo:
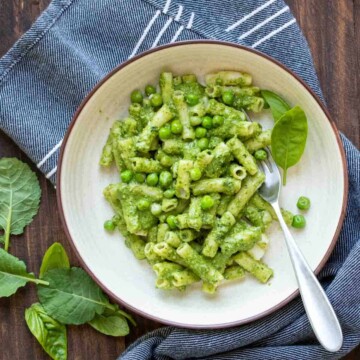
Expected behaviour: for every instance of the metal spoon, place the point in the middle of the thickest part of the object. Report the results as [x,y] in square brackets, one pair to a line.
[321,314]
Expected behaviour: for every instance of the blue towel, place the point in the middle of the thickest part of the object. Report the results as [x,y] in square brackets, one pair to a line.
[75,43]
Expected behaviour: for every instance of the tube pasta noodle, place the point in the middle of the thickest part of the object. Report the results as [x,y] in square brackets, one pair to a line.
[224,185]
[259,141]
[221,228]
[187,198]
[237,171]
[181,107]
[242,155]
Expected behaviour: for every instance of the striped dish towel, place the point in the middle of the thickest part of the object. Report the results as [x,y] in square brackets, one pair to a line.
[75,43]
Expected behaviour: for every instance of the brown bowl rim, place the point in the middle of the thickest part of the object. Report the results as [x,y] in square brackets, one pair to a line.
[129,306]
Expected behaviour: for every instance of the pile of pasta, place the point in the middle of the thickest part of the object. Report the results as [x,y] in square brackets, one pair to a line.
[185,238]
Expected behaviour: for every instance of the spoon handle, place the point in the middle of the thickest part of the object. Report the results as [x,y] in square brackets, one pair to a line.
[317,306]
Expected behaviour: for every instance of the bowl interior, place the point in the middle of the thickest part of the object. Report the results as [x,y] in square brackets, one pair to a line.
[319,175]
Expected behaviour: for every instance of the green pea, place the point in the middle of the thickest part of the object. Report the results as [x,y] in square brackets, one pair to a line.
[298,222]
[192,99]
[166,161]
[203,143]
[140,178]
[143,204]
[156,209]
[218,120]
[303,203]
[126,176]
[200,132]
[228,97]
[171,220]
[260,154]
[165,132]
[165,179]
[176,127]
[152,179]
[195,174]
[195,120]
[136,97]
[207,122]
[207,202]
[156,100]
[109,225]
[149,89]
[169,193]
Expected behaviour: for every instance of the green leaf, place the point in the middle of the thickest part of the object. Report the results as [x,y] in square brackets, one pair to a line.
[50,334]
[72,297]
[277,104]
[111,323]
[13,274]
[19,197]
[288,139]
[54,258]
[123,313]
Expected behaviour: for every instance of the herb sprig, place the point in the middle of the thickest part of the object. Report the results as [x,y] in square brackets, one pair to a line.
[289,134]
[67,294]
[19,197]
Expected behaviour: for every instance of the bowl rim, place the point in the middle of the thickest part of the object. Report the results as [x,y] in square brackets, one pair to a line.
[98,281]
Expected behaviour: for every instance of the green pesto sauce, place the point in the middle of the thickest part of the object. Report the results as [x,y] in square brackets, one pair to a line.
[191,88]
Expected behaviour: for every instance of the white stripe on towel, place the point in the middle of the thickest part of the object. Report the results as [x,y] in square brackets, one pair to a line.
[191,20]
[166,7]
[48,155]
[51,173]
[258,26]
[276,31]
[147,29]
[248,16]
[179,13]
[167,24]
[179,31]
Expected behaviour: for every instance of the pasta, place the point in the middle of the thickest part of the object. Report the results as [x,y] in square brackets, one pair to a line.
[187,201]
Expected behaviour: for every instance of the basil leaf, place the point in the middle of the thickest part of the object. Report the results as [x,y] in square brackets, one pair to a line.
[126,315]
[54,258]
[19,197]
[112,324]
[288,139]
[50,334]
[112,321]
[13,274]
[72,297]
[277,104]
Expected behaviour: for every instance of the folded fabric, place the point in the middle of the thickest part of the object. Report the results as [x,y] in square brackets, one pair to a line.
[75,43]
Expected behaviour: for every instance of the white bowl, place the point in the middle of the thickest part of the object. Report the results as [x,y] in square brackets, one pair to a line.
[321,175]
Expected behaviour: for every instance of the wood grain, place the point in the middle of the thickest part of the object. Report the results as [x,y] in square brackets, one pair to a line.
[333,32]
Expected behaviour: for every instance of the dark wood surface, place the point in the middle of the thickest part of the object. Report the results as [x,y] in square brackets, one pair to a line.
[333,31]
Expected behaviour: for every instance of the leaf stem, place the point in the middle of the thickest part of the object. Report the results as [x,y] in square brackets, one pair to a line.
[40,282]
[284,177]
[110,306]
[7,230]
[7,238]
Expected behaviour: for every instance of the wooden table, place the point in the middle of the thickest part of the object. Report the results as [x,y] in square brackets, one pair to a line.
[333,31]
